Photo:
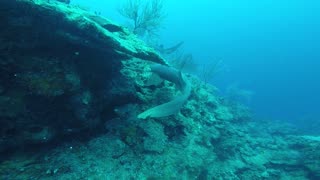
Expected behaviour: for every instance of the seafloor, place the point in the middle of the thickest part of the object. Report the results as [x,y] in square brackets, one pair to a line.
[72,85]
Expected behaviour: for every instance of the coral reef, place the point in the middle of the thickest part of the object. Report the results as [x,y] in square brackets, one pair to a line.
[70,94]
[60,70]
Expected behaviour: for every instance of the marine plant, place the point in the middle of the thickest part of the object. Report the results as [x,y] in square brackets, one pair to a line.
[147,16]
[209,70]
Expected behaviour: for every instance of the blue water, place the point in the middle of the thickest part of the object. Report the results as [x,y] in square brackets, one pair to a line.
[271,48]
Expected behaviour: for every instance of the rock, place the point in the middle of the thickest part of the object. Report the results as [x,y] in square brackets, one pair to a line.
[156,140]
[1,89]
[223,113]
[64,1]
[63,66]
[70,25]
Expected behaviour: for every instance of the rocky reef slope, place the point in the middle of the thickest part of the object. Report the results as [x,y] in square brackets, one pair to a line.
[60,70]
[72,85]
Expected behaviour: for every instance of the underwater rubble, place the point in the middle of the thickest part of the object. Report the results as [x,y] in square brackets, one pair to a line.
[72,85]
